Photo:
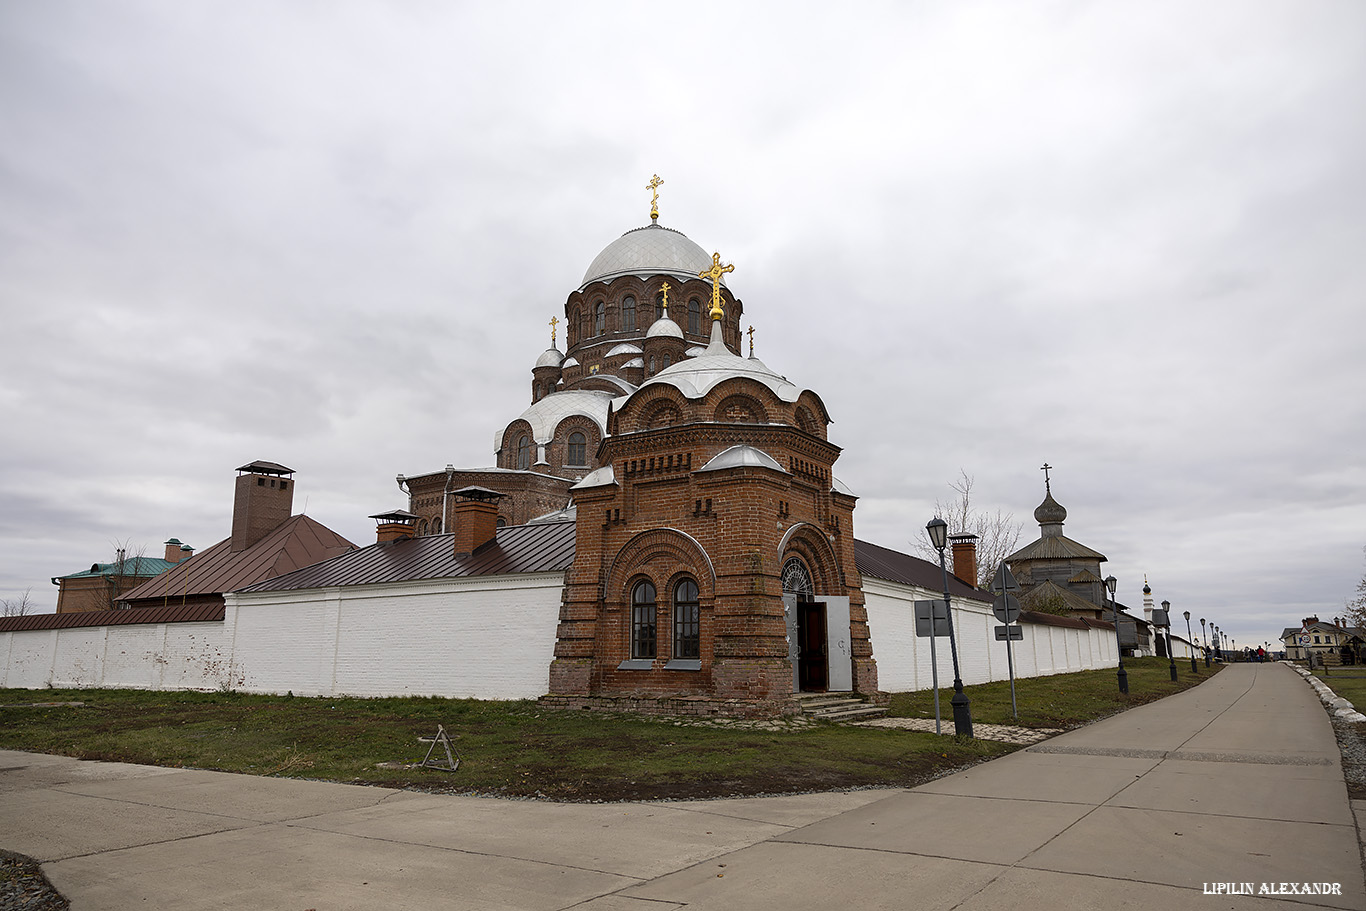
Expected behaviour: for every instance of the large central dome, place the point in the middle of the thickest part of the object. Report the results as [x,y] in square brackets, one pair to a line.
[651,250]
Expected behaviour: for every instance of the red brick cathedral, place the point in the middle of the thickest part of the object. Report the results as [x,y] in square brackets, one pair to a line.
[714,555]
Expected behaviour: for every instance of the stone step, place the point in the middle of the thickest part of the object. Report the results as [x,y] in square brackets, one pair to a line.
[838,707]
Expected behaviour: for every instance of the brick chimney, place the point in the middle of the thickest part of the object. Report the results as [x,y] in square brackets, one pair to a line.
[965,557]
[474,519]
[394,526]
[265,496]
[176,551]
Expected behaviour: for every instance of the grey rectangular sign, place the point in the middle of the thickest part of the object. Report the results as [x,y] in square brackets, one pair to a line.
[1009,632]
[1160,617]
[922,618]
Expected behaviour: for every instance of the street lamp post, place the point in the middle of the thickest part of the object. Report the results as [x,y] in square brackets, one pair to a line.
[1171,652]
[1204,641]
[1110,583]
[938,531]
[1190,640]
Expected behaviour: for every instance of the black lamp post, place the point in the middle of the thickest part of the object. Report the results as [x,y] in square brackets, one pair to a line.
[1110,583]
[938,531]
[1204,641]
[1171,652]
[1190,640]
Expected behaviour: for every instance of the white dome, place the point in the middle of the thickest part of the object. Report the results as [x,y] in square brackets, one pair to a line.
[546,414]
[696,376]
[551,358]
[651,250]
[666,327]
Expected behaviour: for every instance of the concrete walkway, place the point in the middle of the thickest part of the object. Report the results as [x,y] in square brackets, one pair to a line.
[1235,781]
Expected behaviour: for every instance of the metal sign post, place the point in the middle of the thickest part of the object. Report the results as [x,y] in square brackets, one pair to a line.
[1007,610]
[931,619]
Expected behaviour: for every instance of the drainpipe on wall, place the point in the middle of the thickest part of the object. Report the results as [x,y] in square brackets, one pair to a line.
[446,497]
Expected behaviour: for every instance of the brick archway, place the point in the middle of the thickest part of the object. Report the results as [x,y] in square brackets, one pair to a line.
[810,543]
[671,551]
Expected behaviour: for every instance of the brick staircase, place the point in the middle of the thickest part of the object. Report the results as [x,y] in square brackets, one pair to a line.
[838,707]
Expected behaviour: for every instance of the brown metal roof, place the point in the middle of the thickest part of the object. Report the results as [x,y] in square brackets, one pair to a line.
[545,547]
[297,543]
[894,566]
[172,613]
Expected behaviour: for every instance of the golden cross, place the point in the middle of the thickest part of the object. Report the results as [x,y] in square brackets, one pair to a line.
[653,186]
[664,289]
[715,273]
[751,340]
[553,322]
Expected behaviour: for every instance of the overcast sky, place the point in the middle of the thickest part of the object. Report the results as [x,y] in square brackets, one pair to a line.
[1123,238]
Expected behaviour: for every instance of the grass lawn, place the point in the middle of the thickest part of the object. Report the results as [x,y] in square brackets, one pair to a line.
[522,749]
[1347,682]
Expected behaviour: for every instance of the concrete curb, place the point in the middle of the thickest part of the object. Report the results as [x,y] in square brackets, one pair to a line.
[1335,704]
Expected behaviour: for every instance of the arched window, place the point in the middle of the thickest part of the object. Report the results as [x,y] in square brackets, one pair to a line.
[797,580]
[578,449]
[571,329]
[501,523]
[422,527]
[436,526]
[694,317]
[643,621]
[599,318]
[666,361]
[523,453]
[652,363]
[628,314]
[659,305]
[687,621]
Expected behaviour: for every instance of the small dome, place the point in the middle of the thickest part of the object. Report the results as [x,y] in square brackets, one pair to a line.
[551,358]
[1050,512]
[650,250]
[664,327]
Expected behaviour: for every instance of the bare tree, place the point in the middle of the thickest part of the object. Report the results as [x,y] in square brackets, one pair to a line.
[1356,607]
[997,532]
[21,606]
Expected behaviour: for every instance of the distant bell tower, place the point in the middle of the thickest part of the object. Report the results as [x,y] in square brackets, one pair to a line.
[263,501]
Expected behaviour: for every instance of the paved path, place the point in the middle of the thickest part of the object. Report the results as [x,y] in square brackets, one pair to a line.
[1235,781]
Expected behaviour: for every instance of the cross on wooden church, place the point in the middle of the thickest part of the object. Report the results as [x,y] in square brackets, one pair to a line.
[715,273]
[1045,469]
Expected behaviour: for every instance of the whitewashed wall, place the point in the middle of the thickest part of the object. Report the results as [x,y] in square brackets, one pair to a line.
[483,637]
[903,660]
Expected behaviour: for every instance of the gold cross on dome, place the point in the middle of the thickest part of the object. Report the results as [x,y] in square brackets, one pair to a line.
[714,273]
[664,290]
[553,322]
[751,340]
[653,186]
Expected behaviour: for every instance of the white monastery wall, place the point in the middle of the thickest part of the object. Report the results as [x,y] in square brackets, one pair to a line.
[481,637]
[485,637]
[903,659]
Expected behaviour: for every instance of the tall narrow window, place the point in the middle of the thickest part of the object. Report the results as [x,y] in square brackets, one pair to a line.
[578,449]
[687,621]
[600,318]
[643,621]
[659,305]
[694,317]
[523,453]
[628,314]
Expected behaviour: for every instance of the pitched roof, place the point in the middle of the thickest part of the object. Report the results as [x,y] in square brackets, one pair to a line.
[169,613]
[1055,547]
[894,566]
[132,566]
[296,543]
[542,547]
[1037,596]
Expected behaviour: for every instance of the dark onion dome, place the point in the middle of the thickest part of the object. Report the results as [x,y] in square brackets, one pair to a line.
[1050,512]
